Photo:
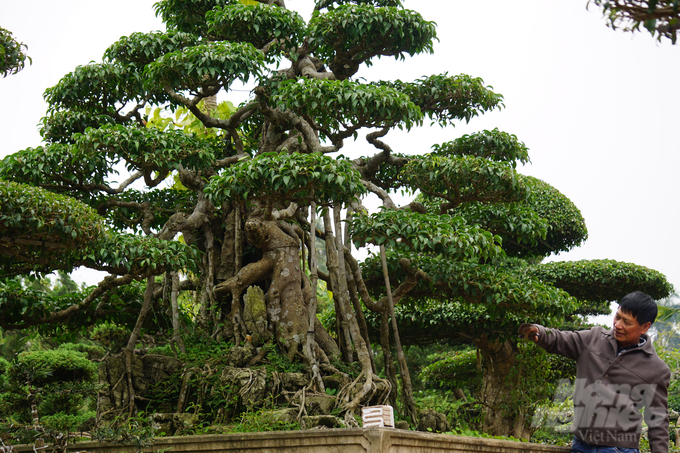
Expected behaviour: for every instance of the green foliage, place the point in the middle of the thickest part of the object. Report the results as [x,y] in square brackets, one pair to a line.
[92,351]
[463,297]
[143,48]
[332,4]
[259,422]
[162,203]
[97,87]
[188,15]
[62,167]
[19,302]
[258,24]
[567,228]
[445,99]
[66,423]
[60,127]
[465,179]
[672,358]
[111,335]
[451,237]
[334,103]
[140,255]
[12,54]
[129,430]
[353,34]
[188,122]
[149,149]
[452,370]
[661,18]
[280,363]
[34,214]
[520,228]
[292,177]
[59,382]
[207,66]
[50,366]
[602,280]
[34,223]
[545,222]
[494,145]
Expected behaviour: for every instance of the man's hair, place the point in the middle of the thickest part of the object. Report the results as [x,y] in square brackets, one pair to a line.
[640,305]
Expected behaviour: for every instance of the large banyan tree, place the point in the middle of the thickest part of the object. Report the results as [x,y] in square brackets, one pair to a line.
[208,199]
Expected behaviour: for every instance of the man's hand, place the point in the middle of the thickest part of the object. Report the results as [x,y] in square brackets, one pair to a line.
[528,332]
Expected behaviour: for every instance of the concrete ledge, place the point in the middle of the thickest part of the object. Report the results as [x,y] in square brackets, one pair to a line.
[358,440]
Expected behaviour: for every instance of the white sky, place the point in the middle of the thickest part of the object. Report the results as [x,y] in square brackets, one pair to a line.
[598,109]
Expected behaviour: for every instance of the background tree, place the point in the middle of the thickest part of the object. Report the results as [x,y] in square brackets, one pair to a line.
[660,18]
[245,196]
[12,54]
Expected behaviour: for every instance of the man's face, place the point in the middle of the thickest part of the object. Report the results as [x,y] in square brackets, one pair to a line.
[627,329]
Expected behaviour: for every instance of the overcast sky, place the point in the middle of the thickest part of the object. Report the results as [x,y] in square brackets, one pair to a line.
[598,109]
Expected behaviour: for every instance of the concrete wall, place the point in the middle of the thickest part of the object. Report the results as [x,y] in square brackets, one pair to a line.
[370,440]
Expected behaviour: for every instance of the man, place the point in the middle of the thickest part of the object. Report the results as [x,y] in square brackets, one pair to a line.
[617,373]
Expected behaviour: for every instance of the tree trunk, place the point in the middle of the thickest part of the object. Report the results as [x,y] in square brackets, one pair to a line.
[344,335]
[284,297]
[409,403]
[503,416]
[134,336]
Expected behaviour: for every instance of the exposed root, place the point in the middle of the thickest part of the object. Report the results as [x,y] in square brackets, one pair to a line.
[373,390]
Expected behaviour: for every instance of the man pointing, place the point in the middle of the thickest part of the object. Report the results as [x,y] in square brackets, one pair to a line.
[617,374]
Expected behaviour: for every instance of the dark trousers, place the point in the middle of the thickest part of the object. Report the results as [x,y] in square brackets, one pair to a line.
[578,446]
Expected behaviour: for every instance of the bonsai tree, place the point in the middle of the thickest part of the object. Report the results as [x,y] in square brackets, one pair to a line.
[223,199]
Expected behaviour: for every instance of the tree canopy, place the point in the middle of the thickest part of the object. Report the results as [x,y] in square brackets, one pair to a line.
[227,197]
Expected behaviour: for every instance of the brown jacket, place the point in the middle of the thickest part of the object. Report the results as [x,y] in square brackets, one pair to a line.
[610,390]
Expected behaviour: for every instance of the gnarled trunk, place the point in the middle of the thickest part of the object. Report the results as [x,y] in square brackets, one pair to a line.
[502,414]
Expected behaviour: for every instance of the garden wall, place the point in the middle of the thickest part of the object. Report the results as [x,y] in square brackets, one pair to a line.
[371,440]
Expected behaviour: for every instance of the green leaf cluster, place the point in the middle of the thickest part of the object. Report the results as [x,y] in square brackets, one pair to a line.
[450,237]
[602,280]
[546,222]
[97,87]
[188,15]
[334,103]
[122,254]
[207,66]
[162,203]
[12,54]
[445,99]
[332,4]
[353,34]
[291,177]
[520,228]
[61,168]
[150,149]
[256,24]
[465,179]
[19,302]
[494,145]
[31,213]
[183,119]
[141,49]
[661,18]
[493,293]
[56,365]
[60,126]
[453,370]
